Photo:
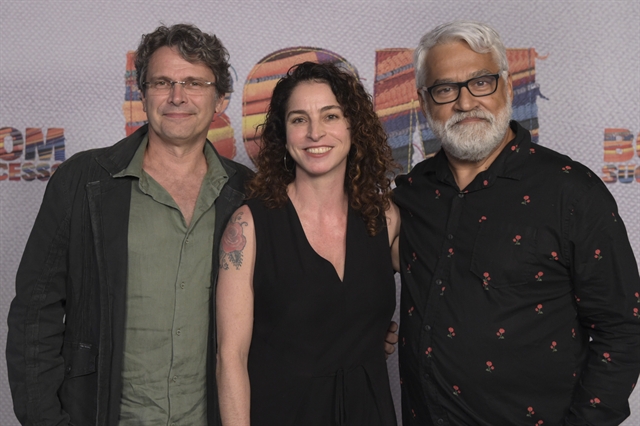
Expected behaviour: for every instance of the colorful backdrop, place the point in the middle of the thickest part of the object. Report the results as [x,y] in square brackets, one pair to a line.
[67,84]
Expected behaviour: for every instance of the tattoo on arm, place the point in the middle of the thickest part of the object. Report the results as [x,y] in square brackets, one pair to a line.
[233,243]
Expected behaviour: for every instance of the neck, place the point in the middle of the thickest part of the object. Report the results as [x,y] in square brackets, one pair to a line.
[174,159]
[464,172]
[316,194]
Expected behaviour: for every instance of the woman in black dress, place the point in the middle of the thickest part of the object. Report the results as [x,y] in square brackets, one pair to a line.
[306,290]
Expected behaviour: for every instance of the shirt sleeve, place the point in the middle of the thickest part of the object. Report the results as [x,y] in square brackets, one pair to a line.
[607,287]
[36,317]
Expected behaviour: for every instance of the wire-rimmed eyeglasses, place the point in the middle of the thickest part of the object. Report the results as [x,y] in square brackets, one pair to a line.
[191,85]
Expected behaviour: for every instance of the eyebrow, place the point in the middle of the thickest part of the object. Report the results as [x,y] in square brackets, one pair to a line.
[323,109]
[475,74]
[164,77]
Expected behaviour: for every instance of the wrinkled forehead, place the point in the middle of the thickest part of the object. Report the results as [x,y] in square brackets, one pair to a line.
[168,61]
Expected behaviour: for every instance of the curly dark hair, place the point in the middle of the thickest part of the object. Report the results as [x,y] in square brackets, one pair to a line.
[193,45]
[370,162]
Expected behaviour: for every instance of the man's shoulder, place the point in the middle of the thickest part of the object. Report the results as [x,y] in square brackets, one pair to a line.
[417,171]
[111,157]
[561,170]
[238,173]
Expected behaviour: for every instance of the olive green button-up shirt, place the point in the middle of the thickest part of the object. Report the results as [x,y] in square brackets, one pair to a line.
[168,294]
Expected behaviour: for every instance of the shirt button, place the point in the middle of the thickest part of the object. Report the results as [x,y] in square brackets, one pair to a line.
[440,421]
[450,236]
[460,195]
[175,379]
[181,285]
[438,282]
[427,327]
[178,332]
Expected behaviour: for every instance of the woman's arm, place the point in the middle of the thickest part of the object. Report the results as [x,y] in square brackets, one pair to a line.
[234,317]
[393,226]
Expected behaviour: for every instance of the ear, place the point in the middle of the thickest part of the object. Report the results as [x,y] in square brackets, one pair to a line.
[423,103]
[510,86]
[219,102]
[144,101]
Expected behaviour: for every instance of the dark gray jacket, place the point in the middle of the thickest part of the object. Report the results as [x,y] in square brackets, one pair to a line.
[66,323]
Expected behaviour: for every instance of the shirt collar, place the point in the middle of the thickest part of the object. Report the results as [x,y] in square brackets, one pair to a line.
[214,179]
[134,168]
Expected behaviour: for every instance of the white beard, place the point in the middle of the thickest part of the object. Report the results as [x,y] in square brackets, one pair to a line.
[472,141]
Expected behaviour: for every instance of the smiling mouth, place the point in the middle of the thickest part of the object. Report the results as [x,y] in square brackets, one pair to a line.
[319,150]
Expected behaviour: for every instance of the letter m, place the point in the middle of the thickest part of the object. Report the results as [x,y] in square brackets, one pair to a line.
[51,148]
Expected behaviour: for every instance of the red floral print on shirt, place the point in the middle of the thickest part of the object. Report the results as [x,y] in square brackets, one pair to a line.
[530,411]
[456,390]
[526,200]
[539,275]
[485,280]
[637,295]
[554,346]
[428,352]
[554,256]
[606,358]
[515,148]
[442,291]
[500,333]
[597,254]
[539,309]
[437,194]
[410,311]
[566,169]
[594,402]
[452,333]
[490,367]
[450,252]
[516,240]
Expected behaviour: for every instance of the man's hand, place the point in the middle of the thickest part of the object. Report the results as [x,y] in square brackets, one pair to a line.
[391,339]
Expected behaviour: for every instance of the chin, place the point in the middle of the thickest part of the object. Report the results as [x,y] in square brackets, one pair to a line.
[473,141]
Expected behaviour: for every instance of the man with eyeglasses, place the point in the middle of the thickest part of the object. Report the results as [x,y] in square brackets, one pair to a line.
[519,286]
[112,320]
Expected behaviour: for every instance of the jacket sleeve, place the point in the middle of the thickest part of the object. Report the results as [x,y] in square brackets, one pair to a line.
[607,287]
[37,314]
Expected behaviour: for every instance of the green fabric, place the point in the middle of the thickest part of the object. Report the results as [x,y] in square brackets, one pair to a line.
[168,294]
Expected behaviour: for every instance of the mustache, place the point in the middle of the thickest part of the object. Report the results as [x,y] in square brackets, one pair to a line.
[476,113]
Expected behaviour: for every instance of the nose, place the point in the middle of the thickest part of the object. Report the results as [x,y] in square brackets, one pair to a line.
[466,101]
[316,130]
[177,95]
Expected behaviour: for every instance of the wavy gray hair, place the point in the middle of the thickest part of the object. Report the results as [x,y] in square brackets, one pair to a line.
[481,38]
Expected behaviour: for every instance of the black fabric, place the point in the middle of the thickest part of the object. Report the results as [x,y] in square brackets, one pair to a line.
[317,352]
[504,285]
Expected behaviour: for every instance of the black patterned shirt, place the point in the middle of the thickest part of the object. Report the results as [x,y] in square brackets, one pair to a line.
[520,294]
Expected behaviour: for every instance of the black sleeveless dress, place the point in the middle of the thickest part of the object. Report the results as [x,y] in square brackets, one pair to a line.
[317,352]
